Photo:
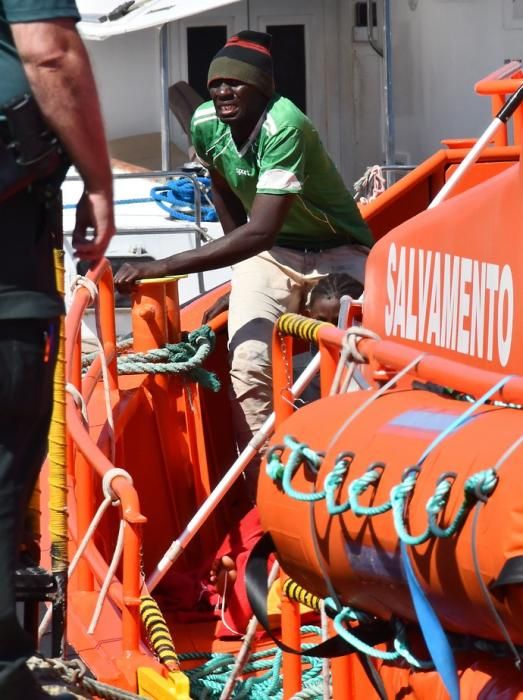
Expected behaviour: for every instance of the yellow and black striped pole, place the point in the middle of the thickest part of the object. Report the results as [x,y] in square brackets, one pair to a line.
[158,633]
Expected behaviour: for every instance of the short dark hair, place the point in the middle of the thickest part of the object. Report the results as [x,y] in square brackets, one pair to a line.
[337,284]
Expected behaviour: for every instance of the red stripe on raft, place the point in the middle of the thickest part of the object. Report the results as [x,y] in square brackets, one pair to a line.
[248,45]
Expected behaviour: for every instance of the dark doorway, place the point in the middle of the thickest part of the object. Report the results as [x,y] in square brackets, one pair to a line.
[288,51]
[202,44]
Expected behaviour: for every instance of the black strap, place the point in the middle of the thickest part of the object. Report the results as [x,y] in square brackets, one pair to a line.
[373,633]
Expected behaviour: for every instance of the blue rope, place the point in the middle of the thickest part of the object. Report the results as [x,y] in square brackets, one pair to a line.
[178,195]
[431,628]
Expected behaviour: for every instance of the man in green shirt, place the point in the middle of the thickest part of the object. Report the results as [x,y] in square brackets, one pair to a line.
[288,218]
[42,61]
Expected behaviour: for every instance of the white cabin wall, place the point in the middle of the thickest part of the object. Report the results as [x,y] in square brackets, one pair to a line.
[127,72]
[440,50]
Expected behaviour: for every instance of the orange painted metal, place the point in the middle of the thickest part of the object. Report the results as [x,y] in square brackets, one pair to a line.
[362,553]
[291,636]
[176,445]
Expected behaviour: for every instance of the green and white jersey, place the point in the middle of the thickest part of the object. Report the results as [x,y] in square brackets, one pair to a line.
[284,156]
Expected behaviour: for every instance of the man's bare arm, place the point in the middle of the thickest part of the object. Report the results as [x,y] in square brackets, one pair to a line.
[59,72]
[228,207]
[258,234]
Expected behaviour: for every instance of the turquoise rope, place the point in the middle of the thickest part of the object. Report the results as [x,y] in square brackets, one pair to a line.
[332,482]
[208,680]
[359,486]
[398,497]
[299,454]
[480,485]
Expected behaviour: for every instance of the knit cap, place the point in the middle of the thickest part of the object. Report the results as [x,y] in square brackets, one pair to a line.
[245,57]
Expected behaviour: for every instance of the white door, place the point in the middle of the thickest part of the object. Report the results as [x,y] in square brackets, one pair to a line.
[306,63]
[297,27]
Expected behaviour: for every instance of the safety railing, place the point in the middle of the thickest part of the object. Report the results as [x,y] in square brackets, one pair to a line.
[89,459]
[499,85]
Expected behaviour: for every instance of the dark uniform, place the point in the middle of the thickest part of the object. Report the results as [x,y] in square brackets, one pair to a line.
[29,312]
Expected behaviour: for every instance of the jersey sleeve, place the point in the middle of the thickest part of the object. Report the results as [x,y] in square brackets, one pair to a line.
[282,163]
[39,10]
[199,140]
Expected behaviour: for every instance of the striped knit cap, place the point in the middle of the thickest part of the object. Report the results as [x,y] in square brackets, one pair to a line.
[245,57]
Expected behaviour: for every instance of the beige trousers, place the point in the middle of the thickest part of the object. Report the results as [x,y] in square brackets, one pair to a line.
[263,288]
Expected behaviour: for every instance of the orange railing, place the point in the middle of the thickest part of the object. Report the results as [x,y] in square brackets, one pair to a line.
[503,82]
[89,460]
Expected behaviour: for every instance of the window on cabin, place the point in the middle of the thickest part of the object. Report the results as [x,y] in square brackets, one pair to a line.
[202,44]
[288,53]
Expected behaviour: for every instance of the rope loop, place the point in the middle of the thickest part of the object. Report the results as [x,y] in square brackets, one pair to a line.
[350,343]
[333,481]
[80,281]
[346,614]
[480,486]
[300,454]
[107,483]
[274,468]
[399,497]
[79,401]
[358,487]
[186,357]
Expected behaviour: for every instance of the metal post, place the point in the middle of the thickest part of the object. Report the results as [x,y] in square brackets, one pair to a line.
[390,140]
[165,132]
[198,222]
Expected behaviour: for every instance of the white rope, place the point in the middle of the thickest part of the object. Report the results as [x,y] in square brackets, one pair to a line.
[222,604]
[108,578]
[110,499]
[105,378]
[79,401]
[243,654]
[370,185]
[118,549]
[81,281]
[350,354]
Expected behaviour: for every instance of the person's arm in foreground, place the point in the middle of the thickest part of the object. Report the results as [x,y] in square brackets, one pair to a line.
[252,237]
[59,71]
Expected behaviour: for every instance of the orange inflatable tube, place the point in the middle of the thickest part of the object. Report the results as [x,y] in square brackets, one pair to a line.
[321,545]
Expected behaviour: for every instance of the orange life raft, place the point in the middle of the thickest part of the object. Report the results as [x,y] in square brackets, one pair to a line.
[360,555]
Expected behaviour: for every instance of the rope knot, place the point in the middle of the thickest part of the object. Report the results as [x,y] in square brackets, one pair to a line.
[480,486]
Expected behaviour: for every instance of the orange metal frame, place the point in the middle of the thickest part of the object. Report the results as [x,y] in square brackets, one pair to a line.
[156,320]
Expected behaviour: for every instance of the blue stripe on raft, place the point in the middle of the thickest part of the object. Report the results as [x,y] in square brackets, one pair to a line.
[424,420]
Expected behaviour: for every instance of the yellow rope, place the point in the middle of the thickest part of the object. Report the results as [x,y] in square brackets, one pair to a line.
[158,633]
[296,592]
[300,326]
[57,445]
[32,520]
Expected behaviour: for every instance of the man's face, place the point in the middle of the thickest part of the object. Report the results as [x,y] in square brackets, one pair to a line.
[236,103]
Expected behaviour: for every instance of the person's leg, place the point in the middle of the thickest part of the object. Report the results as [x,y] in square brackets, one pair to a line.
[261,291]
[26,379]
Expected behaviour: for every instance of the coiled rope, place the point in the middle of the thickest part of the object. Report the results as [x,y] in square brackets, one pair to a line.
[207,680]
[176,197]
[185,357]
